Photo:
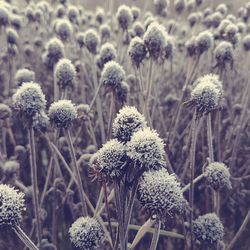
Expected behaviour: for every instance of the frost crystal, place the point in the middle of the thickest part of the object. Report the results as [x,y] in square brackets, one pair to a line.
[11,205]
[86,233]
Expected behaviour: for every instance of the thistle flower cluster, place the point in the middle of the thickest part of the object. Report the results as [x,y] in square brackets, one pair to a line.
[24,75]
[207,94]
[138,29]
[91,40]
[41,122]
[136,12]
[12,36]
[105,32]
[63,29]
[11,205]
[65,73]
[5,111]
[10,167]
[179,6]
[62,113]
[107,53]
[86,233]
[160,193]
[111,159]
[124,17]
[160,6]
[208,229]
[224,54]
[218,176]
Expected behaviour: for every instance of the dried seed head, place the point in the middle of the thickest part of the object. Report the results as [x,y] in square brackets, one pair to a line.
[218,176]
[124,17]
[155,40]
[41,122]
[224,54]
[222,8]
[91,40]
[111,158]
[4,16]
[10,167]
[179,6]
[5,111]
[160,193]
[105,32]
[86,233]
[216,18]
[208,229]
[16,21]
[29,100]
[100,15]
[62,113]
[246,42]
[169,47]
[138,29]
[63,29]
[107,53]
[11,205]
[127,122]
[137,51]
[136,12]
[73,14]
[65,73]
[24,75]
[160,5]
[12,36]
[112,74]
[204,41]
[146,149]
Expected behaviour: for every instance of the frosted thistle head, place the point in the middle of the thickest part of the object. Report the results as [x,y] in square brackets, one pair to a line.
[138,29]
[73,14]
[62,113]
[136,12]
[111,159]
[16,21]
[105,31]
[99,15]
[12,36]
[179,6]
[29,100]
[91,40]
[127,121]
[86,233]
[160,5]
[146,149]
[80,39]
[137,51]
[10,168]
[204,41]
[4,16]
[107,53]
[207,94]
[5,111]
[224,54]
[41,122]
[208,229]
[154,40]
[112,74]
[63,29]
[222,8]
[218,176]
[11,205]
[124,17]
[65,73]
[24,75]
[54,52]
[169,47]
[246,42]
[160,193]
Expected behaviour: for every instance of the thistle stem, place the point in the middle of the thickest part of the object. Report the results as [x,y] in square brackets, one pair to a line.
[156,235]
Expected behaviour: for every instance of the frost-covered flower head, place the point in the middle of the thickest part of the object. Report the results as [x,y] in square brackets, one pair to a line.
[111,158]
[138,29]
[29,100]
[73,13]
[191,47]
[62,113]
[11,205]
[154,40]
[105,32]
[5,111]
[65,73]
[207,94]
[113,74]
[204,41]
[16,21]
[91,40]
[193,19]
[179,5]
[216,18]
[246,42]
[99,15]
[107,53]
[24,75]
[136,12]
[160,193]
[10,167]
[12,36]
[86,233]
[208,229]
[222,8]
[160,5]
[127,122]
[4,16]
[137,51]
[80,39]
[224,54]
[40,122]
[63,29]
[218,176]
[169,47]
[146,148]
[54,52]
[124,17]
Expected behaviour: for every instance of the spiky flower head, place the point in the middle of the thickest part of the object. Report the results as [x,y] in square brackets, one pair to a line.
[54,52]
[224,54]
[99,15]
[62,113]
[193,18]
[16,21]
[4,16]
[208,229]
[107,53]
[179,6]
[105,31]
[124,17]
[111,159]
[138,29]
[73,13]
[29,100]
[137,51]
[216,18]
[127,122]
[154,40]
[246,42]
[80,39]
[86,233]
[169,47]
[91,40]
[11,205]
[204,41]
[65,73]
[160,5]
[136,12]
[146,149]
[63,29]
[113,74]
[10,167]
[218,176]
[160,193]
[5,111]
[24,75]
[222,8]
[12,36]
[207,94]
[41,122]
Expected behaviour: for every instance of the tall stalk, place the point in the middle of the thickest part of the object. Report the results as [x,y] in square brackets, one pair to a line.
[35,190]
[156,235]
